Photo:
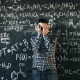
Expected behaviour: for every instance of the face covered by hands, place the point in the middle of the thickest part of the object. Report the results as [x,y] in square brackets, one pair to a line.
[42,28]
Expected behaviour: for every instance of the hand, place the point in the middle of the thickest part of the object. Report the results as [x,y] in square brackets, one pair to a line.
[45,30]
[38,29]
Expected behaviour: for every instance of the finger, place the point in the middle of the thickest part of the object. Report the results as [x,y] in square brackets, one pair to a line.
[46,26]
[37,29]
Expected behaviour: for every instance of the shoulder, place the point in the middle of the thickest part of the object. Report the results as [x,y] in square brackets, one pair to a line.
[34,38]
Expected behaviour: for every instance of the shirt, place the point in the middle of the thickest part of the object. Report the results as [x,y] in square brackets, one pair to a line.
[42,48]
[46,59]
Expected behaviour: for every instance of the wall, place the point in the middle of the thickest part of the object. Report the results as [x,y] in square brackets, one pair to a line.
[17,21]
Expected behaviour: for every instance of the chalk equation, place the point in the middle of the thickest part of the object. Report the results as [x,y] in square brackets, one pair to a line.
[4,38]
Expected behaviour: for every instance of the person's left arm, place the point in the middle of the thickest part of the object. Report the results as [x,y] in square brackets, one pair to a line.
[51,46]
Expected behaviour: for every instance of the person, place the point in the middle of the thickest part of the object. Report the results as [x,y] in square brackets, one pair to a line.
[44,63]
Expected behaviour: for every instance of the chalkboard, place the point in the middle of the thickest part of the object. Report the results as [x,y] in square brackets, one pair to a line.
[17,21]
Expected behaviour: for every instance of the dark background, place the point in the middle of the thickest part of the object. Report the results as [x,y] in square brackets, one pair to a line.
[17,21]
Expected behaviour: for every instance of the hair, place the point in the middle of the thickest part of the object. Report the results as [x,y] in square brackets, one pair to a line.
[43,20]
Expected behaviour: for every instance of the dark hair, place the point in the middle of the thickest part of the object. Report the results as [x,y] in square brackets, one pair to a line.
[43,20]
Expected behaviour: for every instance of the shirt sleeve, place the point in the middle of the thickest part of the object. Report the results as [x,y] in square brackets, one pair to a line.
[35,44]
[51,46]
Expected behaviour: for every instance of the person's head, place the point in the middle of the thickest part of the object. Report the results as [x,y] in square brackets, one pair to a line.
[42,24]
[42,20]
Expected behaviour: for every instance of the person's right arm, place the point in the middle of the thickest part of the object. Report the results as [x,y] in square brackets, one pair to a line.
[35,44]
